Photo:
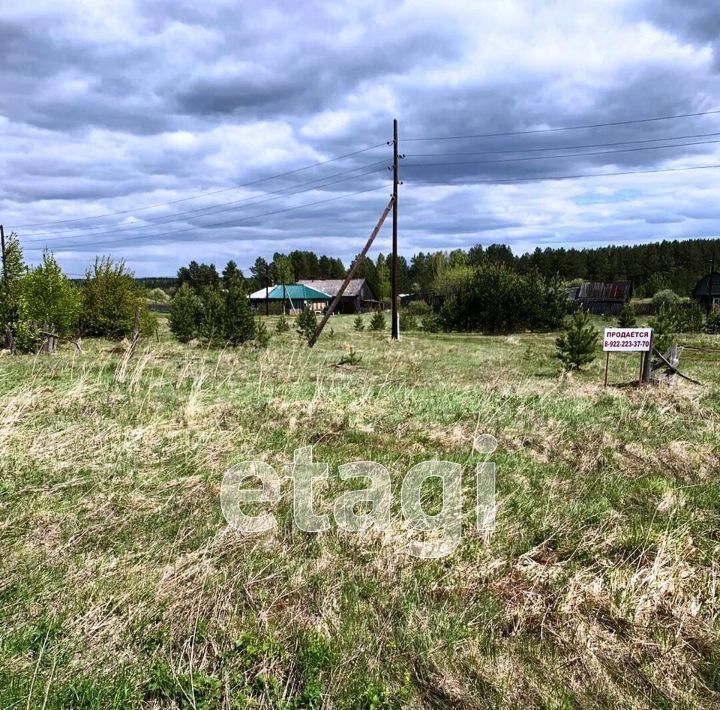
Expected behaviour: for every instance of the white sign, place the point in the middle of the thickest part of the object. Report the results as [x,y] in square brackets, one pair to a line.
[627,340]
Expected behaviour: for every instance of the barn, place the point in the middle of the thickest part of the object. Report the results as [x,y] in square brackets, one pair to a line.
[358,295]
[707,291]
[289,298]
[602,298]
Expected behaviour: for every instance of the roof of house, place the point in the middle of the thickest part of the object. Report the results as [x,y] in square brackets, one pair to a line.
[293,292]
[600,291]
[332,286]
[701,288]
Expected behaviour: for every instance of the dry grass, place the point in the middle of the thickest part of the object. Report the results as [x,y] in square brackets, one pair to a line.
[121,585]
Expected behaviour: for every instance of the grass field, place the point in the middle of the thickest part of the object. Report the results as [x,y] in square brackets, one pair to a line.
[122,586]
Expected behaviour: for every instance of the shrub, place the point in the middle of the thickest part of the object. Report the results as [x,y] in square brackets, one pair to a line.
[377,322]
[282,325]
[627,318]
[359,324]
[407,321]
[555,303]
[665,298]
[262,336]
[212,317]
[577,344]
[712,324]
[51,302]
[306,323]
[664,326]
[185,312]
[238,320]
[431,323]
[418,309]
[111,298]
[496,299]
[10,293]
[689,319]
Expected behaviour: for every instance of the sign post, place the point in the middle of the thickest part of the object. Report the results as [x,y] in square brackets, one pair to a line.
[629,340]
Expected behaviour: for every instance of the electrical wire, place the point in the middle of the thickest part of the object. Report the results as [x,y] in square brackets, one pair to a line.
[206,194]
[231,223]
[565,128]
[493,181]
[553,157]
[563,147]
[213,209]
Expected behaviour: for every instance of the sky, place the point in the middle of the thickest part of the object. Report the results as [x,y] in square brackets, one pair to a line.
[168,130]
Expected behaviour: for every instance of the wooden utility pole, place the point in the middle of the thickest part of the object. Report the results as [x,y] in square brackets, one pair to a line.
[395,329]
[351,273]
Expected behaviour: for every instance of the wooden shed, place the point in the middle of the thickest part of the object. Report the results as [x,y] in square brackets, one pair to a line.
[602,298]
[358,296]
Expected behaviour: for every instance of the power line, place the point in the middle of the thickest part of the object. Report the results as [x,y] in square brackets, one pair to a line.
[212,209]
[493,181]
[206,194]
[563,147]
[553,157]
[230,223]
[566,128]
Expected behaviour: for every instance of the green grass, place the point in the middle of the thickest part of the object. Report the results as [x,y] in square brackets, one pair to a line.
[120,585]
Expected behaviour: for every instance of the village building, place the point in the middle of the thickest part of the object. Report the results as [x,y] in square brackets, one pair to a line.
[707,291]
[357,297]
[601,298]
[289,298]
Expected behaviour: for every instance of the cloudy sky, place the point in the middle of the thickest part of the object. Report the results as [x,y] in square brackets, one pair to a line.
[168,130]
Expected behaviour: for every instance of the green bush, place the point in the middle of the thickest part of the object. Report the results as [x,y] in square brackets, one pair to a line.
[185,312]
[111,298]
[359,324]
[238,319]
[262,336]
[689,319]
[419,309]
[306,323]
[431,323]
[408,322]
[496,299]
[577,344]
[212,317]
[665,327]
[282,325]
[665,298]
[712,324]
[11,291]
[627,318]
[377,322]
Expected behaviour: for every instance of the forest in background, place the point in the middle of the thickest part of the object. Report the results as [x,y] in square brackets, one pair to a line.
[675,265]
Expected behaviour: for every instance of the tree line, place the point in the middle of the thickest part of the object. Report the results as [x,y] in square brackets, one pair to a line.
[674,265]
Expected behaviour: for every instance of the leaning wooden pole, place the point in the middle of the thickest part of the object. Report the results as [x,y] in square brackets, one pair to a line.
[351,273]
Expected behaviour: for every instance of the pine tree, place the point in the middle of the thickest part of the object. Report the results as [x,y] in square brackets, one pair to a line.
[282,325]
[377,322]
[577,344]
[306,323]
[262,337]
[358,324]
[238,320]
[627,317]
[212,316]
[185,312]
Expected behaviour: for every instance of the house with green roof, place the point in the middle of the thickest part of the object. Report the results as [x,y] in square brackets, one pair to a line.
[289,298]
